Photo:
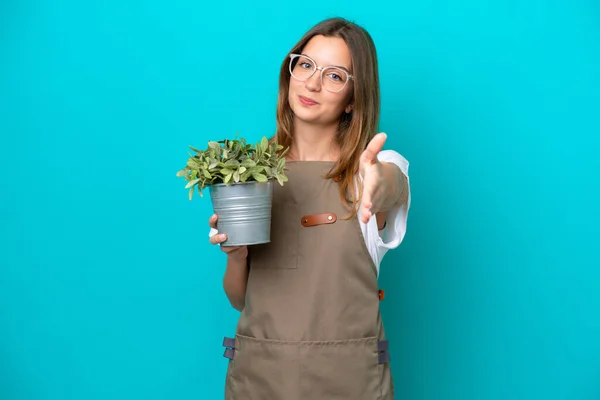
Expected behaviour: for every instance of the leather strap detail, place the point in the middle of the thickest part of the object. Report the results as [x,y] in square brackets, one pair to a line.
[384,357]
[318,219]
[337,178]
[229,353]
[229,342]
[384,353]
[381,295]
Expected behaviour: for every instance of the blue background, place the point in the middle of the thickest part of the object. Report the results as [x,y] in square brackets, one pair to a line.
[108,286]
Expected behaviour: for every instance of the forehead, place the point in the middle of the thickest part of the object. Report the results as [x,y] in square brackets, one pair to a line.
[329,51]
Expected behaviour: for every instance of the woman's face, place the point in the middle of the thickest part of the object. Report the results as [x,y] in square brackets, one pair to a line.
[309,101]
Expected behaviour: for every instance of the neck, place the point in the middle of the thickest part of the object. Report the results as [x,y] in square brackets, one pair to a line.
[314,143]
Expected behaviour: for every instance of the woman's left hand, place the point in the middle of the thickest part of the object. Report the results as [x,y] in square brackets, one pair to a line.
[380,180]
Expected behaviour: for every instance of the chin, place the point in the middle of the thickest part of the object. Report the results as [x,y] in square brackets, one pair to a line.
[304,113]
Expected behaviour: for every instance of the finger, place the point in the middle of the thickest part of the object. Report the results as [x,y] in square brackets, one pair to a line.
[371,201]
[373,148]
[366,202]
[218,238]
[375,201]
[212,221]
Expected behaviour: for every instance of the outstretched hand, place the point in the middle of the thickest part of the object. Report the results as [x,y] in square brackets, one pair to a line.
[374,184]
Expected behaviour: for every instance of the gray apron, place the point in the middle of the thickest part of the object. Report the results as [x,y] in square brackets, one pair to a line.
[311,328]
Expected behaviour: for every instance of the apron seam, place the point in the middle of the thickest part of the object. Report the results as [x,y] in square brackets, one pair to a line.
[365,339]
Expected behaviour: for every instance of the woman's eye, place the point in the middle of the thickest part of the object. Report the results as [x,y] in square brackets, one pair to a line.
[306,65]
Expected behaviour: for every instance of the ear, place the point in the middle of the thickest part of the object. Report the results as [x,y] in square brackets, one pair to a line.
[349,108]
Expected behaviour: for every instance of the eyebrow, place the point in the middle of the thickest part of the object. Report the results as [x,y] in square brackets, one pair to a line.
[337,66]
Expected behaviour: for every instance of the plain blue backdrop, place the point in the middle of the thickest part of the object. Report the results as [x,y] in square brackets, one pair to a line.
[108,286]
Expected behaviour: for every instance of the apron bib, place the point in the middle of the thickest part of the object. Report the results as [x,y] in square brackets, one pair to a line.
[311,327]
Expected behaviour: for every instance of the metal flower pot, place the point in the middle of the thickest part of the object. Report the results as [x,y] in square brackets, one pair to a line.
[244,211]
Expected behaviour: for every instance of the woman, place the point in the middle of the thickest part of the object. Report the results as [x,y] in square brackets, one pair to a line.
[310,325]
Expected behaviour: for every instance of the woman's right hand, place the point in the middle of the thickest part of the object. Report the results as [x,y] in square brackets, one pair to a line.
[237,252]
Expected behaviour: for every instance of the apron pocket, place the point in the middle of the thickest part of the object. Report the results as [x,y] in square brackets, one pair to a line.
[346,369]
[263,370]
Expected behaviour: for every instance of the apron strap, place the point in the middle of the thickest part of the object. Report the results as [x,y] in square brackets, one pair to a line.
[382,345]
[229,343]
[384,354]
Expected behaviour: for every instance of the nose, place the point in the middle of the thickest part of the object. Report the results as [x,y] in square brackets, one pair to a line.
[313,83]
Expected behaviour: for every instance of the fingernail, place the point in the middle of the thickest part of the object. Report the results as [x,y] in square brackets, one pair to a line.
[222,236]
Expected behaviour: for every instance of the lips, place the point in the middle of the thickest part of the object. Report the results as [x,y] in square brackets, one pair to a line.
[306,101]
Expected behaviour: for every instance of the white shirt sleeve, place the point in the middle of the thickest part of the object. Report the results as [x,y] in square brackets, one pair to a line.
[379,242]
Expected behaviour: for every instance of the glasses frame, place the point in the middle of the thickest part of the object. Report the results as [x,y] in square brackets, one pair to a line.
[293,56]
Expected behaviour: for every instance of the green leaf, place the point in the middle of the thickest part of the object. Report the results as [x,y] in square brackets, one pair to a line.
[191,193]
[259,177]
[192,183]
[248,163]
[183,172]
[242,170]
[264,145]
[206,174]
[228,177]
[236,176]
[245,176]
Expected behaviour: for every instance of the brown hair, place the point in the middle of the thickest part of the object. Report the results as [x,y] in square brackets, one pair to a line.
[355,129]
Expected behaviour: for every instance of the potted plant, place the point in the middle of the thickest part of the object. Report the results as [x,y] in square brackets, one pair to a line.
[240,178]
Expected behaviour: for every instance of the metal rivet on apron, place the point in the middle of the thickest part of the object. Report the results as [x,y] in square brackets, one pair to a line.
[330,217]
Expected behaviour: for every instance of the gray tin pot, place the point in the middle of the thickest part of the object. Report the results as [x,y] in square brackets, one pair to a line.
[244,211]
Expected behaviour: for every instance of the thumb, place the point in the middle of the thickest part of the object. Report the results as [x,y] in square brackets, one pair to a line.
[373,148]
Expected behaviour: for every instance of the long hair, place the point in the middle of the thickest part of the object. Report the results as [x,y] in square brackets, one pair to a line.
[356,128]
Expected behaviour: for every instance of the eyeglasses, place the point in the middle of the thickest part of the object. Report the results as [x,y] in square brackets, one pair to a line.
[303,68]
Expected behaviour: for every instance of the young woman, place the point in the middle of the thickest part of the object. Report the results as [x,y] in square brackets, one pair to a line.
[310,325]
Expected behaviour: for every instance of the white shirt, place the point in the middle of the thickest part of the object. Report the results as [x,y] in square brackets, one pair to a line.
[378,243]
